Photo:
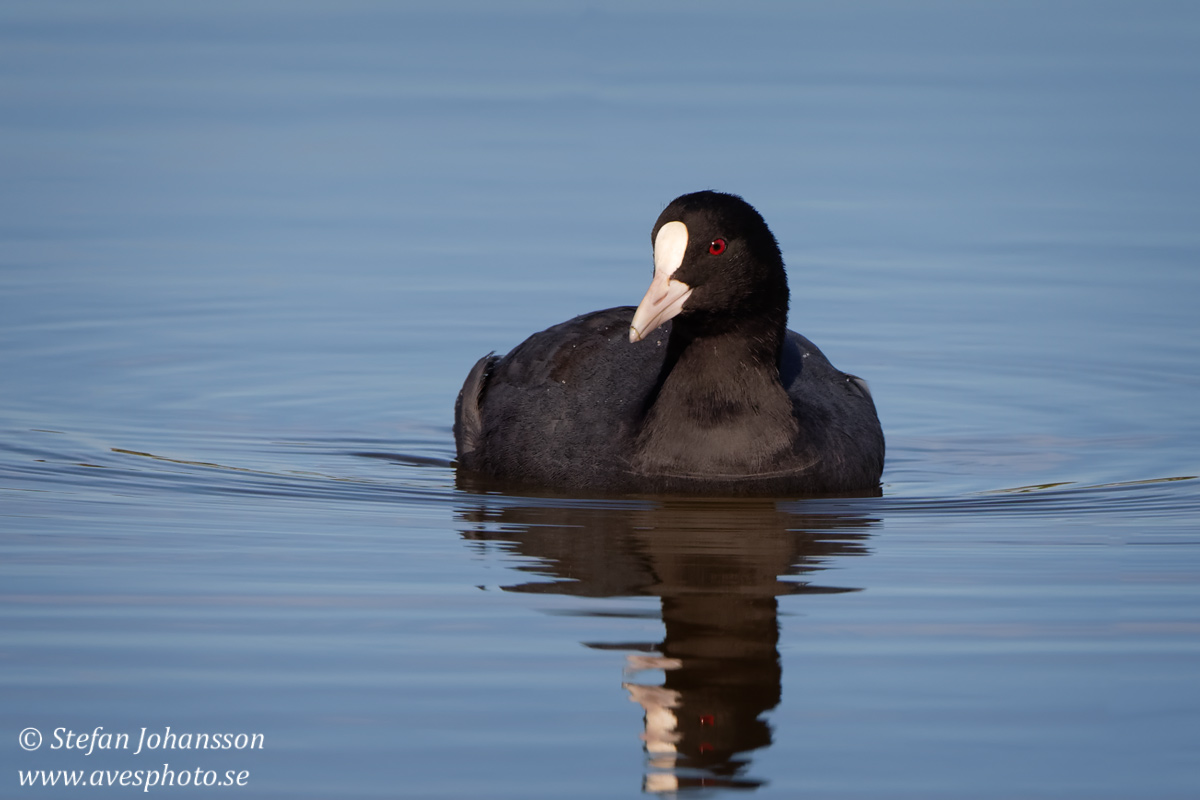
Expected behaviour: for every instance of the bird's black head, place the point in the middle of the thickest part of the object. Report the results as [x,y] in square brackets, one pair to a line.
[717,266]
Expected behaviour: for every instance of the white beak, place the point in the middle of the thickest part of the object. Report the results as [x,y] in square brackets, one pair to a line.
[666,296]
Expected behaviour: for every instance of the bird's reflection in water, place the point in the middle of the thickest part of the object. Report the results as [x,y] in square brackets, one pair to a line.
[718,567]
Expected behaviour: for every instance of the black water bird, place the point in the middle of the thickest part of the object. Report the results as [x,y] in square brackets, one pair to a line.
[701,389]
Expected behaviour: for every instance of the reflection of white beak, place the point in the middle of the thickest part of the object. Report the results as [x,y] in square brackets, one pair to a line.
[666,296]
[661,723]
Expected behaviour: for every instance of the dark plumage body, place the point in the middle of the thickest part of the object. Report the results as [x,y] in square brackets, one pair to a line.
[722,399]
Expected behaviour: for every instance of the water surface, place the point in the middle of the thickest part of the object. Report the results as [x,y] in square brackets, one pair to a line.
[248,252]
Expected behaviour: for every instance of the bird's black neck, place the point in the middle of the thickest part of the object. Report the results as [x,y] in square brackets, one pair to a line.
[719,404]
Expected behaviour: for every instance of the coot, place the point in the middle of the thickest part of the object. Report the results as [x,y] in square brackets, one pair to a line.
[700,389]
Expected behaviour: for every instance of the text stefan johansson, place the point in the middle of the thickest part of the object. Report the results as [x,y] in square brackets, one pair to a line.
[100,739]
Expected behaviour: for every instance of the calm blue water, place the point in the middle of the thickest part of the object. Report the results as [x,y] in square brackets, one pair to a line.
[248,252]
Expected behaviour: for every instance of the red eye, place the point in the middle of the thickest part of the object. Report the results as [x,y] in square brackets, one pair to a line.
[717,247]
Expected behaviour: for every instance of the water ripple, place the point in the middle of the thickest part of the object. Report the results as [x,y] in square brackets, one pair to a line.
[418,471]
